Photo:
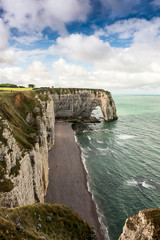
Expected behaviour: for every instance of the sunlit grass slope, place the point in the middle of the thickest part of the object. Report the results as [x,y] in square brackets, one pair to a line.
[43,221]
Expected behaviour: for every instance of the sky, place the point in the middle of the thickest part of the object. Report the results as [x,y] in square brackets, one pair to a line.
[109,44]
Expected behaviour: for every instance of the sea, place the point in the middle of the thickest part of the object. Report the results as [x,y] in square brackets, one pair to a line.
[122,160]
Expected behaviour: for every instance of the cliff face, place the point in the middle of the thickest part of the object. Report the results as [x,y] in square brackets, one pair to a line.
[79,104]
[144,225]
[25,142]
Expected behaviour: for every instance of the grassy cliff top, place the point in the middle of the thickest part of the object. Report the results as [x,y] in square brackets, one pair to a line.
[60,91]
[43,221]
[14,107]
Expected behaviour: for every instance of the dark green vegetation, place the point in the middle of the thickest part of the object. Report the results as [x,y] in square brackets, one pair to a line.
[43,221]
[61,91]
[8,85]
[6,184]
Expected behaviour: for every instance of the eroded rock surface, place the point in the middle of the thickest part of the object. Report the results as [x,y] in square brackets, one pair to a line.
[143,226]
[25,171]
[80,104]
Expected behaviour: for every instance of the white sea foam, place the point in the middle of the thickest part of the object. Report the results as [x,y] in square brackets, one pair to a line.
[100,215]
[89,138]
[132,182]
[75,138]
[125,136]
[99,141]
[101,149]
[146,185]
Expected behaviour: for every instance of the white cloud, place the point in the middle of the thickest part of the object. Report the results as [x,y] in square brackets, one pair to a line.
[81,48]
[90,49]
[27,40]
[65,74]
[69,75]
[36,73]
[7,56]
[140,30]
[134,67]
[156,3]
[39,71]
[4,33]
[33,16]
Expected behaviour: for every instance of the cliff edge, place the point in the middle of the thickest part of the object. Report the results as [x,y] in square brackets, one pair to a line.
[143,226]
[26,136]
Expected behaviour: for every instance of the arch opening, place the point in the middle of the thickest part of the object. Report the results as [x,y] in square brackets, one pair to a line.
[97,113]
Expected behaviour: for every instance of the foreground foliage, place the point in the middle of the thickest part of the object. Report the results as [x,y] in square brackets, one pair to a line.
[43,221]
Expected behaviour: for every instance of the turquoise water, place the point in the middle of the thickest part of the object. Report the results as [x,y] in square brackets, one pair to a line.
[123,160]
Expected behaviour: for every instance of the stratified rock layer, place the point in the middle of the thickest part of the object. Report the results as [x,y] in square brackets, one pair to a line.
[25,173]
[80,103]
[143,226]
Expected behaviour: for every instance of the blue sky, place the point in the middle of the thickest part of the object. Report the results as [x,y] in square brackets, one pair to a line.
[110,44]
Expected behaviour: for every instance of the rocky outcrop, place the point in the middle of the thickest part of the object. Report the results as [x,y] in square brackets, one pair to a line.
[143,226]
[79,104]
[24,176]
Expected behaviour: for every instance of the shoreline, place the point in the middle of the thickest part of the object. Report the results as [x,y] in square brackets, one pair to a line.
[103,228]
[68,177]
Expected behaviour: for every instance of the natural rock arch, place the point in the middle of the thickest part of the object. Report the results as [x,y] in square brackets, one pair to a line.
[80,103]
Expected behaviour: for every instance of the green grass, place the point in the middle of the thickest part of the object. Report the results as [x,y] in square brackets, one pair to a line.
[14,107]
[63,223]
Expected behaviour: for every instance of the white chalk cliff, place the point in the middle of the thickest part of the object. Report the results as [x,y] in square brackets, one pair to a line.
[30,182]
[143,226]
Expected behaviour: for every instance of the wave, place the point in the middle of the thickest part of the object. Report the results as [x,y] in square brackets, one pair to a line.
[132,182]
[89,138]
[104,151]
[75,138]
[101,149]
[100,215]
[100,141]
[146,185]
[125,136]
